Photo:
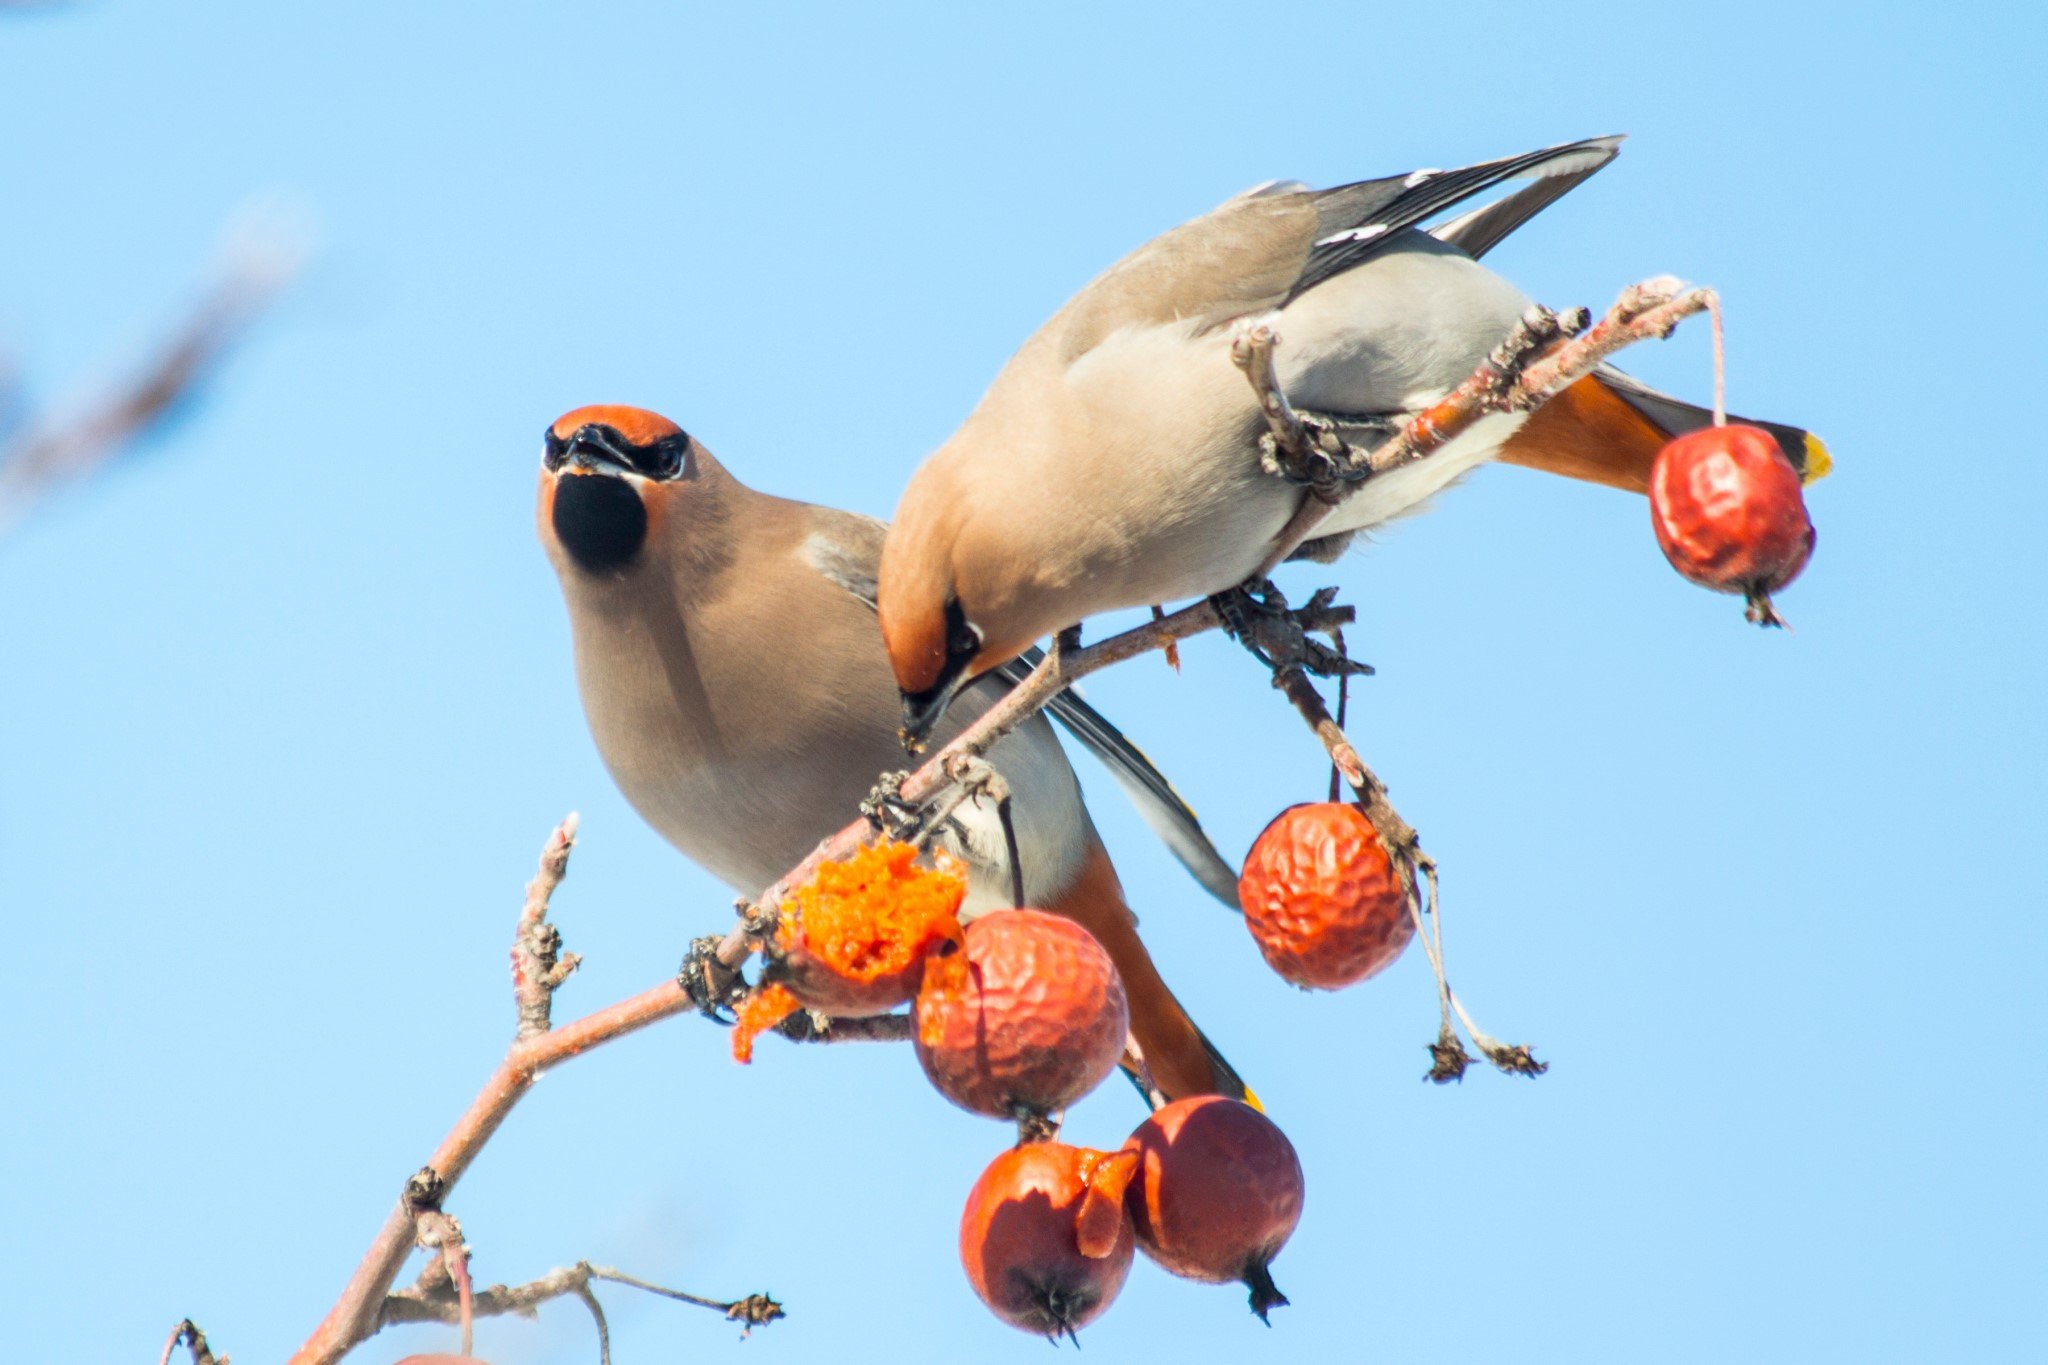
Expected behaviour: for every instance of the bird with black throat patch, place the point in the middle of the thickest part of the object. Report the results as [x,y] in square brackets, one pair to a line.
[733,678]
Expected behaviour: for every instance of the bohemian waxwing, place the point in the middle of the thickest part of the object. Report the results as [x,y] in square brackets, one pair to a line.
[1113,462]
[734,681]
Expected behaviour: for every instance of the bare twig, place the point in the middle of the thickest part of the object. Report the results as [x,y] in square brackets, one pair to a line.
[188,1335]
[437,1303]
[256,266]
[755,1310]
[354,1316]
[440,1233]
[539,966]
[597,1318]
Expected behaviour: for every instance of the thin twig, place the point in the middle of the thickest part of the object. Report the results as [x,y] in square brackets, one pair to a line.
[354,1315]
[539,966]
[256,267]
[188,1335]
[1720,360]
[604,1329]
[437,1303]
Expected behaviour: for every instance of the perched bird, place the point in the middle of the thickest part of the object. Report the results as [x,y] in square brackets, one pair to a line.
[736,686]
[1113,462]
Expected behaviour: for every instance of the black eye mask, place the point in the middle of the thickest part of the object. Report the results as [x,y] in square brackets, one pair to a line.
[597,445]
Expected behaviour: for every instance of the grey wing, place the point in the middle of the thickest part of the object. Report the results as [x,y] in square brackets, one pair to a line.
[1357,220]
[846,549]
[1170,818]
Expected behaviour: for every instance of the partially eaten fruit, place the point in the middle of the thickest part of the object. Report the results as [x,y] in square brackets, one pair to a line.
[1045,1238]
[852,941]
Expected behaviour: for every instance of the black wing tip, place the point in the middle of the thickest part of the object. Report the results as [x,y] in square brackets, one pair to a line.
[1537,162]
[1543,161]
[1607,142]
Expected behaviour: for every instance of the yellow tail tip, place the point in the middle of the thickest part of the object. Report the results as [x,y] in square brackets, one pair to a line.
[1253,1100]
[1819,464]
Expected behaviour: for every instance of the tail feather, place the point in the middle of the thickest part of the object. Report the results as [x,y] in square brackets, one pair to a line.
[1180,1057]
[1607,429]
[1675,417]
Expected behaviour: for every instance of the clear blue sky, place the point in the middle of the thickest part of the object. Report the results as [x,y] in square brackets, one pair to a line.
[290,705]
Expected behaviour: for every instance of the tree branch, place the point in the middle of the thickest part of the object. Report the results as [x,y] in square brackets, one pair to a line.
[1532,365]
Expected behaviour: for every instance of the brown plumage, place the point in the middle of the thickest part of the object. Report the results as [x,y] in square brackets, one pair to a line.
[735,683]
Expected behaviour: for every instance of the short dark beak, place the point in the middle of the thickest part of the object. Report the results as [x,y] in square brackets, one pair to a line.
[591,453]
[594,459]
[922,711]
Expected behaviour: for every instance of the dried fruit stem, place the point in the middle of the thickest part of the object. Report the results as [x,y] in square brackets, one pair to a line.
[434,1303]
[1265,1295]
[1720,359]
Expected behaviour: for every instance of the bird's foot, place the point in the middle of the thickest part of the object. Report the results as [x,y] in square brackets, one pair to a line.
[714,988]
[1258,617]
[1302,448]
[888,812]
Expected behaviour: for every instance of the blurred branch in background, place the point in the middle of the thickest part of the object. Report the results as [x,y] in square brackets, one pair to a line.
[263,250]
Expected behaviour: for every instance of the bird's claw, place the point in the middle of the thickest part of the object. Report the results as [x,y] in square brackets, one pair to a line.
[713,987]
[886,809]
[1257,616]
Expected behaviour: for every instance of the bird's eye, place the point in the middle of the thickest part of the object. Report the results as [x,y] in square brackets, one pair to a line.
[664,460]
[554,450]
[963,637]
